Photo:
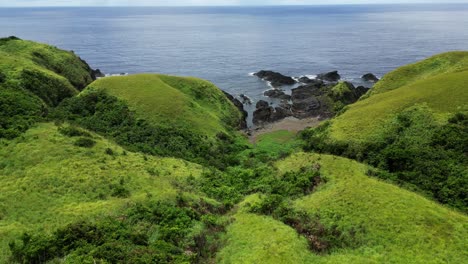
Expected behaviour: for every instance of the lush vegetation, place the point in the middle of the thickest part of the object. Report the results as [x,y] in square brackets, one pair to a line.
[421,147]
[414,151]
[150,169]
[34,77]
[112,117]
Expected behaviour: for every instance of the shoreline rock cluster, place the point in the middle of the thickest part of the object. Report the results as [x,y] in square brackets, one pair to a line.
[320,97]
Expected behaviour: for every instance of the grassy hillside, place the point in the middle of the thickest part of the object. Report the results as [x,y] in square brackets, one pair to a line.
[48,182]
[413,125]
[175,101]
[396,226]
[439,81]
[34,77]
[159,115]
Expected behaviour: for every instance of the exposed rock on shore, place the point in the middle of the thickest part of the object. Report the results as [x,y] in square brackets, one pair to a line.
[97,73]
[275,78]
[267,114]
[276,93]
[329,76]
[369,77]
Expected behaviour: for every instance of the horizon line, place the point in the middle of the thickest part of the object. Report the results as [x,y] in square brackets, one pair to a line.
[278,5]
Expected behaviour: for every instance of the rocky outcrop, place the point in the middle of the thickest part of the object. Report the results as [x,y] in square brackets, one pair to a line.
[369,77]
[307,80]
[97,74]
[245,99]
[267,114]
[277,94]
[329,76]
[275,78]
[243,122]
[304,101]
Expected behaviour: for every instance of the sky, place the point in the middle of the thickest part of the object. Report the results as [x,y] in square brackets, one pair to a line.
[27,3]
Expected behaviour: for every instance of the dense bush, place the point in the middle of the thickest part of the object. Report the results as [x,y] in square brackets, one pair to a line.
[52,90]
[147,232]
[321,239]
[415,149]
[72,131]
[19,110]
[84,142]
[107,115]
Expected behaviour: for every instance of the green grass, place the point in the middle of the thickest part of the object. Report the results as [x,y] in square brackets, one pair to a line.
[399,226]
[33,78]
[17,55]
[440,82]
[175,101]
[48,182]
[449,62]
[281,141]
[261,239]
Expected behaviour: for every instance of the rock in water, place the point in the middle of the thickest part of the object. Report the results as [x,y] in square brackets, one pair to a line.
[329,76]
[307,80]
[245,99]
[369,77]
[275,93]
[97,73]
[275,78]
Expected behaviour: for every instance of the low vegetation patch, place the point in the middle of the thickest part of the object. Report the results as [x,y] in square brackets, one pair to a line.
[415,150]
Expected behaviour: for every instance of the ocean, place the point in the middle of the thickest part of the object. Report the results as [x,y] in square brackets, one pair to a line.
[226,44]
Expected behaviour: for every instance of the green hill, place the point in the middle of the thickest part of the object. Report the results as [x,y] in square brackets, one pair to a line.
[48,181]
[150,168]
[174,101]
[413,125]
[161,115]
[439,81]
[34,77]
[394,225]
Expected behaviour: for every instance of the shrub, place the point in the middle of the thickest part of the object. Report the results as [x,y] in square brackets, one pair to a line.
[415,151]
[72,131]
[107,115]
[84,142]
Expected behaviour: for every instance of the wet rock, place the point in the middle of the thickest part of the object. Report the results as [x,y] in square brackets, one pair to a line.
[329,76]
[97,73]
[275,93]
[304,100]
[369,77]
[245,99]
[275,78]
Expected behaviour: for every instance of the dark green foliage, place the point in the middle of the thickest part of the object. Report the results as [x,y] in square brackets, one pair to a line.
[107,115]
[321,239]
[149,232]
[51,90]
[19,111]
[109,151]
[2,77]
[418,153]
[4,40]
[230,186]
[72,131]
[84,142]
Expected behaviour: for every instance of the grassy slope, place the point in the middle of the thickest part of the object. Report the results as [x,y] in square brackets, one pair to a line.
[17,55]
[174,101]
[400,226]
[439,81]
[47,182]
